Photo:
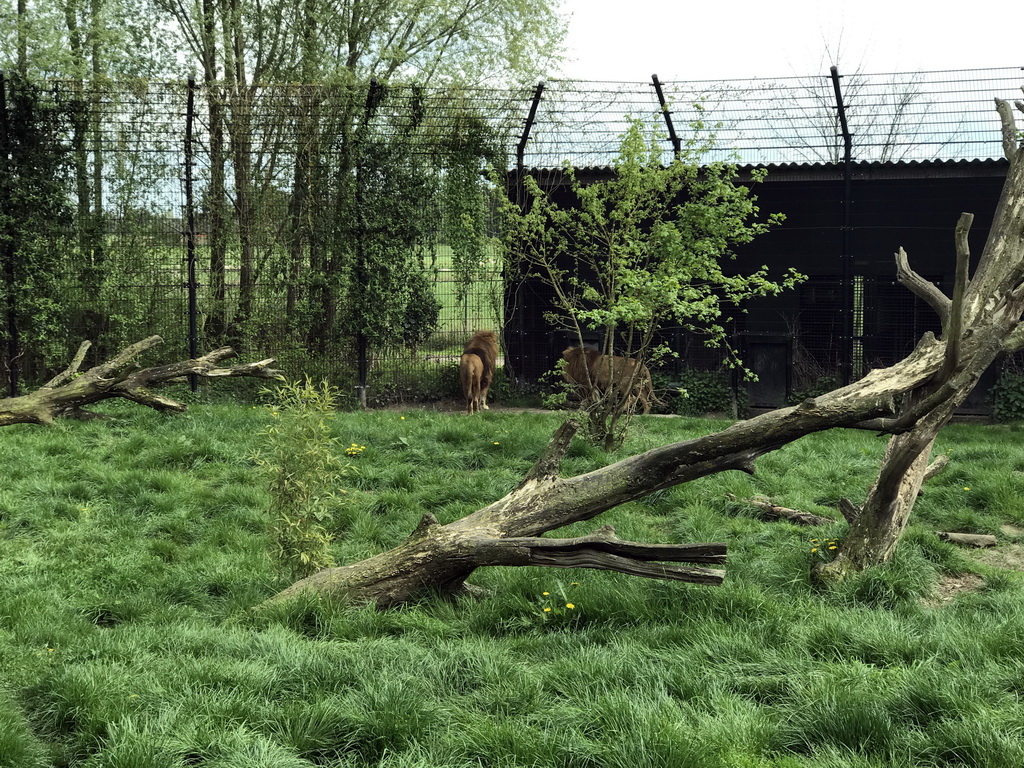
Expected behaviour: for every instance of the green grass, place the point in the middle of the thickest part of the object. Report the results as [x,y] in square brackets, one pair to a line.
[134,555]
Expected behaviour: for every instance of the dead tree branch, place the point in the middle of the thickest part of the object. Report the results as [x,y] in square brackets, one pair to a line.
[70,391]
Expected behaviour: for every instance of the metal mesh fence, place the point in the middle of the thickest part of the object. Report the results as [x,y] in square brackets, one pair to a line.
[275,218]
[893,117]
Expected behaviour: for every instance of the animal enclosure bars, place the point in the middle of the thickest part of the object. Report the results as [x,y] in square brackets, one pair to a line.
[350,231]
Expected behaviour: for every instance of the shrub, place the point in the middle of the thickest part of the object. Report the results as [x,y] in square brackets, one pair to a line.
[702,392]
[1008,397]
[305,470]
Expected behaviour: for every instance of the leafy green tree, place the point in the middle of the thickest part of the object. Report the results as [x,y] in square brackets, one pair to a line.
[648,247]
[35,224]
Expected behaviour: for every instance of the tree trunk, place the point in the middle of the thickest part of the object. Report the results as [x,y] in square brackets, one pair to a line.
[979,322]
[67,394]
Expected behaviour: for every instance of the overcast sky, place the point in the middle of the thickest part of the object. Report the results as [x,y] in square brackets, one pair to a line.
[629,40]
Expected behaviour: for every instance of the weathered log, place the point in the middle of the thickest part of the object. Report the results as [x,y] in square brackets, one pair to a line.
[771,511]
[439,558]
[978,540]
[69,392]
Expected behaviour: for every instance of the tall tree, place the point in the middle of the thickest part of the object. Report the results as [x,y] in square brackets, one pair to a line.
[241,45]
[648,247]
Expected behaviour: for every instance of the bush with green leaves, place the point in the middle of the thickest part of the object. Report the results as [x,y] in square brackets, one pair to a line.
[647,248]
[1008,397]
[703,392]
[305,470]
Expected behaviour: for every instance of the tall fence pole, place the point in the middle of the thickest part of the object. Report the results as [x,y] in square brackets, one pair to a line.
[677,146]
[190,231]
[373,97]
[515,348]
[7,239]
[846,256]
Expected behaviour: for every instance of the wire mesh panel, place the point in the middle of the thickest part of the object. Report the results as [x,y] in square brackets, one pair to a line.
[93,230]
[351,231]
[893,117]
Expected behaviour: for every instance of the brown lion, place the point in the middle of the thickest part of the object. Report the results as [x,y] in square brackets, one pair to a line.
[476,369]
[632,384]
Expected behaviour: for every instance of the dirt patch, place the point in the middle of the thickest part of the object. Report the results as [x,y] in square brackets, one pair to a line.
[1008,556]
[1012,531]
[950,586]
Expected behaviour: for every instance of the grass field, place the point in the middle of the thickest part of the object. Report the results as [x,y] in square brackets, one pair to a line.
[134,555]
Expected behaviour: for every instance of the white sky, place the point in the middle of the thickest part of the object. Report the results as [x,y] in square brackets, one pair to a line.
[629,40]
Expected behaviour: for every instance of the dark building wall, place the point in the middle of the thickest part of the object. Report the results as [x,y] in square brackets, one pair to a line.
[913,206]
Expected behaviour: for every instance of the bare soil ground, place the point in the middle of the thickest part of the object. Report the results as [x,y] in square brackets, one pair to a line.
[1008,555]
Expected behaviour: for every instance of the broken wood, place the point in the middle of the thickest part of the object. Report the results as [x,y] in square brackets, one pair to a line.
[850,511]
[69,392]
[978,540]
[772,511]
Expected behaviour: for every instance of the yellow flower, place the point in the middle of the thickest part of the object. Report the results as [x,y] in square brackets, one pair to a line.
[832,547]
[967,487]
[570,606]
[814,541]
[813,550]
[545,593]
[403,418]
[496,442]
[574,584]
[547,610]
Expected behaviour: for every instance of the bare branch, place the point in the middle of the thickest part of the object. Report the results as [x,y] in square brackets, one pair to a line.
[953,329]
[923,289]
[968,539]
[772,511]
[548,465]
[936,466]
[72,369]
[850,510]
[1009,128]
[602,550]
[67,395]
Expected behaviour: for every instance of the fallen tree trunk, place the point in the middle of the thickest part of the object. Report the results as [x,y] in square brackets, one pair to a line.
[70,392]
[978,540]
[772,511]
[439,558]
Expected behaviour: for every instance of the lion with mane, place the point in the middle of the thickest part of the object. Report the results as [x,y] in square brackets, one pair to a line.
[592,373]
[476,369]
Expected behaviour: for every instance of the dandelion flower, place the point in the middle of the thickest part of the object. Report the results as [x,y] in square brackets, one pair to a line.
[832,547]
[574,584]
[570,606]
[403,418]
[545,593]
[496,442]
[547,610]
[813,550]
[967,487]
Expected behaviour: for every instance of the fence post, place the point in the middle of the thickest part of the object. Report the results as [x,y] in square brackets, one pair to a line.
[190,231]
[8,252]
[514,347]
[677,146]
[846,256]
[373,99]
